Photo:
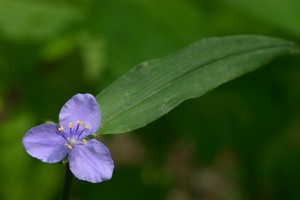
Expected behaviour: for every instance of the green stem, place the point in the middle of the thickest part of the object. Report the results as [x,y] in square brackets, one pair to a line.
[67,184]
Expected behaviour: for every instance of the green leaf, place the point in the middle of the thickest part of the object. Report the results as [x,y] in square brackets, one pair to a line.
[153,88]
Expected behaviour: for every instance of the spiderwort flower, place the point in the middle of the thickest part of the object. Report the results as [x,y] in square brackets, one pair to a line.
[89,160]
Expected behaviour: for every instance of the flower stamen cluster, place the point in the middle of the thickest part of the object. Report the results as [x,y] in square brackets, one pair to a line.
[74,134]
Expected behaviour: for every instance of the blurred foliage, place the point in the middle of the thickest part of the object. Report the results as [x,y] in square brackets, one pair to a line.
[240,141]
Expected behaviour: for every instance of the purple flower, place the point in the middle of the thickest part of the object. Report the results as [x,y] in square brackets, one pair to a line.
[89,160]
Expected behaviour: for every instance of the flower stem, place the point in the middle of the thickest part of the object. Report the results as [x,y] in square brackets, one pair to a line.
[67,184]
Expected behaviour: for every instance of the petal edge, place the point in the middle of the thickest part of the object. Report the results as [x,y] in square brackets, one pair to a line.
[81,107]
[91,162]
[44,143]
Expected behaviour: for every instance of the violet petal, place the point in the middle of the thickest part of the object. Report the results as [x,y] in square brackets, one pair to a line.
[81,107]
[91,162]
[45,143]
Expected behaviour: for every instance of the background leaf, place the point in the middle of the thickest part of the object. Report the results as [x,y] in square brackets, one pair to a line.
[36,19]
[155,87]
[282,13]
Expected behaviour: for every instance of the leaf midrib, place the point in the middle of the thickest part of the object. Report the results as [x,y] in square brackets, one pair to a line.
[190,71]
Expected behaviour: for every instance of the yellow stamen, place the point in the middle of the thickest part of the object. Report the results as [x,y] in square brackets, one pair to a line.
[60,128]
[79,122]
[86,126]
[69,146]
[84,141]
[70,125]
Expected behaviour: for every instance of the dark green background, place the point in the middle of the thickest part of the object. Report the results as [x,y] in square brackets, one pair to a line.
[238,142]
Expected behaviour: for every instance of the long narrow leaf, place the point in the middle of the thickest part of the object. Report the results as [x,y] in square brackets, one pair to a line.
[153,88]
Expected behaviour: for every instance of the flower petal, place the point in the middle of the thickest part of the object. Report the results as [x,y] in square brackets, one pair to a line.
[91,162]
[81,107]
[45,143]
